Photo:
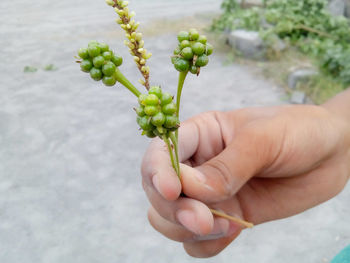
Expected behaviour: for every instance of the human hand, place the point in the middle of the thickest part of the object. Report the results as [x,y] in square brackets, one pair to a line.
[260,164]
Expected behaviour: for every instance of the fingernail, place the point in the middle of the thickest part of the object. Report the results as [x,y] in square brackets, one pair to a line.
[155,181]
[221,229]
[233,229]
[188,219]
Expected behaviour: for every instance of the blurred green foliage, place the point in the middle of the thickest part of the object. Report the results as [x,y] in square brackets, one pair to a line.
[305,24]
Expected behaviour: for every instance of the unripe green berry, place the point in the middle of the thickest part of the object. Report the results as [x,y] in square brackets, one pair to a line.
[194,70]
[98,61]
[209,49]
[156,90]
[185,44]
[169,109]
[181,64]
[151,110]
[150,134]
[94,50]
[187,53]
[109,69]
[142,99]
[104,47]
[83,53]
[145,123]
[202,61]
[166,98]
[177,51]
[93,43]
[107,55]
[198,48]
[109,80]
[140,111]
[158,119]
[173,60]
[152,100]
[202,39]
[86,65]
[183,35]
[117,60]
[194,35]
[96,74]
[171,122]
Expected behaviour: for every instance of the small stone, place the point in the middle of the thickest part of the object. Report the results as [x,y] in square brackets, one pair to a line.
[347,9]
[249,43]
[337,7]
[298,97]
[300,75]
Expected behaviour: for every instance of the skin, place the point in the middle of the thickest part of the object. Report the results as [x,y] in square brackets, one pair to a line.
[259,164]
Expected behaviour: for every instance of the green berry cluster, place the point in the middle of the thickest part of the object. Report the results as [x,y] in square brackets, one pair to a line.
[100,62]
[156,114]
[192,52]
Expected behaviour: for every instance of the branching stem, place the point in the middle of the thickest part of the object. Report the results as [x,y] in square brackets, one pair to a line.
[126,83]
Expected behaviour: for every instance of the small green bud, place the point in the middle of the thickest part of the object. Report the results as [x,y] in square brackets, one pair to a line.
[194,35]
[187,53]
[109,80]
[198,48]
[142,99]
[152,100]
[96,74]
[151,110]
[166,98]
[185,44]
[183,35]
[98,61]
[109,69]
[83,53]
[156,90]
[209,49]
[202,61]
[202,39]
[140,111]
[118,61]
[169,109]
[94,50]
[158,119]
[86,65]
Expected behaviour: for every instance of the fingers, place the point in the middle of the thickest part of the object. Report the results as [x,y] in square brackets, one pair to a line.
[222,228]
[263,200]
[222,176]
[158,172]
[156,166]
[210,248]
[190,213]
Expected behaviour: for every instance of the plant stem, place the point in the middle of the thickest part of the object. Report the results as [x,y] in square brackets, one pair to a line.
[176,150]
[233,219]
[126,83]
[166,140]
[182,77]
[312,30]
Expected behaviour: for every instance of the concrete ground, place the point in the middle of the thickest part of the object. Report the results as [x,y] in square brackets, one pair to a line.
[70,151]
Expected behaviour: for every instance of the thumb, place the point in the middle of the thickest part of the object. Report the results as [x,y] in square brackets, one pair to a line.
[222,176]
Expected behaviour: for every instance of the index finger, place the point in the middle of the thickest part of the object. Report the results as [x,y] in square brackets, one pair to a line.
[157,170]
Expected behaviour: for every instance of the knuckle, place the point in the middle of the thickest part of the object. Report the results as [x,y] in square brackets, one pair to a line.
[223,175]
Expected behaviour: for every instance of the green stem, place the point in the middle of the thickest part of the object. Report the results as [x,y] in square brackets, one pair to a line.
[176,149]
[166,140]
[182,77]
[126,83]
[181,82]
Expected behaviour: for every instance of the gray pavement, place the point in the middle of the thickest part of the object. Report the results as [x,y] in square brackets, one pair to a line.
[70,151]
